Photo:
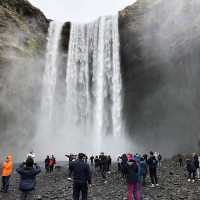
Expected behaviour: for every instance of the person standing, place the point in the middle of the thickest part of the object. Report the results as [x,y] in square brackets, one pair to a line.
[159,159]
[96,162]
[190,167]
[71,158]
[103,166]
[143,171]
[7,169]
[81,177]
[109,163]
[152,163]
[92,160]
[131,170]
[47,160]
[180,160]
[196,163]
[28,172]
[123,164]
[52,163]
[119,161]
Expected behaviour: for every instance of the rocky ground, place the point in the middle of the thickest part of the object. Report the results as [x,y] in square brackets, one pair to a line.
[173,186]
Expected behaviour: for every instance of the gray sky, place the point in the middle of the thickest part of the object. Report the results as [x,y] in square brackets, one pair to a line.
[79,10]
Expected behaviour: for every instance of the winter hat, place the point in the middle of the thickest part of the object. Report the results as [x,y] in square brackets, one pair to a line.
[130,156]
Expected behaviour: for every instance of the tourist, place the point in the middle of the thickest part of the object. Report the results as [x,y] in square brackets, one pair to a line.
[86,159]
[196,164]
[143,171]
[96,162]
[156,155]
[180,160]
[71,158]
[119,161]
[81,177]
[109,160]
[190,166]
[52,163]
[103,166]
[132,173]
[145,156]
[92,160]
[124,164]
[7,169]
[47,161]
[28,172]
[152,163]
[159,159]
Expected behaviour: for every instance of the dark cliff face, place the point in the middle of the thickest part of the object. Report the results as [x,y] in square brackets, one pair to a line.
[160,57]
[23,31]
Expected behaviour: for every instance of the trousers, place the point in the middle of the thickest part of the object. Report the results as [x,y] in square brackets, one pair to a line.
[80,188]
[133,189]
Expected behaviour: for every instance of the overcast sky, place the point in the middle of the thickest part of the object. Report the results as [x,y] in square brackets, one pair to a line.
[79,10]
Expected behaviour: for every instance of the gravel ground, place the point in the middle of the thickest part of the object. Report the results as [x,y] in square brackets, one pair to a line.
[172,180]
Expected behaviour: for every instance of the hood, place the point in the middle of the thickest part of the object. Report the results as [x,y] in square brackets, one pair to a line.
[10,158]
[130,156]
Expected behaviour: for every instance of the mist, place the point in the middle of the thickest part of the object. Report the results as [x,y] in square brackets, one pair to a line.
[161,91]
[20,97]
[164,91]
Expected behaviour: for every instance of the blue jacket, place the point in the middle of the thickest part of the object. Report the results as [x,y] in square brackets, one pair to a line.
[143,168]
[81,171]
[28,177]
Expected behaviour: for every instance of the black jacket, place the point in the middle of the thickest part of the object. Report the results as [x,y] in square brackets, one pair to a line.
[81,171]
[132,171]
[28,177]
[190,165]
[196,161]
[152,163]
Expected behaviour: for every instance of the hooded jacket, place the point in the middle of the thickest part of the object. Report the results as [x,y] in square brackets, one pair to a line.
[143,168]
[8,166]
[28,177]
[132,171]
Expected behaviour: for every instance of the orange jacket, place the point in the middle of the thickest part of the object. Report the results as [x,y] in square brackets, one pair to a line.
[8,166]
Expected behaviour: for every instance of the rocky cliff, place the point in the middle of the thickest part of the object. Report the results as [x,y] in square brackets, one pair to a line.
[23,31]
[160,57]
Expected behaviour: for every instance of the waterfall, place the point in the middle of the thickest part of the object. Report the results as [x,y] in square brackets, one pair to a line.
[93,78]
[50,73]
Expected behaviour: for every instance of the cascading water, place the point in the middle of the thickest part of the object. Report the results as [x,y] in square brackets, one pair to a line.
[50,73]
[93,79]
[49,80]
[91,117]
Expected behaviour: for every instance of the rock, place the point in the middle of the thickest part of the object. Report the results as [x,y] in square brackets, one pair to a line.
[23,33]
[38,197]
[171,173]
[115,189]
[159,56]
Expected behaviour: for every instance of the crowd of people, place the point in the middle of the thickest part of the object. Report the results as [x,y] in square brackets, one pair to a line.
[132,167]
[192,167]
